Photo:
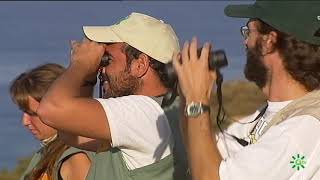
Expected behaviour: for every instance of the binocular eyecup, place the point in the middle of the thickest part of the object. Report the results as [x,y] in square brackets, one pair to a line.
[105,60]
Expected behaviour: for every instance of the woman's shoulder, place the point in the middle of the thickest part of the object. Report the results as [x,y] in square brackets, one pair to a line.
[75,163]
[79,159]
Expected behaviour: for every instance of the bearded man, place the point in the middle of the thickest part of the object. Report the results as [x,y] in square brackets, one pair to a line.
[282,139]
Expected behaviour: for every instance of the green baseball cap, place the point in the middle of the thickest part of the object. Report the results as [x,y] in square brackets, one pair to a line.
[298,18]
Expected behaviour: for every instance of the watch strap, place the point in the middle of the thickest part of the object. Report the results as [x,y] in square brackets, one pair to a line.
[205,107]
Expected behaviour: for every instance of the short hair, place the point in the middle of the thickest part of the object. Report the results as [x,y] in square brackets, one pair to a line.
[34,83]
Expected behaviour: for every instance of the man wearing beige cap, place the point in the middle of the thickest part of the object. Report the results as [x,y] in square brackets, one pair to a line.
[129,123]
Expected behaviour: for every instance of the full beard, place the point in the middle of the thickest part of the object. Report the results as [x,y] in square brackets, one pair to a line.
[122,85]
[255,70]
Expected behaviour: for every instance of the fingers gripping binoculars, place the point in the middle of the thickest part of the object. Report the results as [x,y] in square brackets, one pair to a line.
[217,59]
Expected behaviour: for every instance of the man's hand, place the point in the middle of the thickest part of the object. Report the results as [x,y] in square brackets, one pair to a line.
[195,78]
[86,56]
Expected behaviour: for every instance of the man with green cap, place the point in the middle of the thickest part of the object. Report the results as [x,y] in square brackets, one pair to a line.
[281,140]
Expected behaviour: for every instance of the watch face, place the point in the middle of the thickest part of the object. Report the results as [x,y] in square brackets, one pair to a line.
[193,110]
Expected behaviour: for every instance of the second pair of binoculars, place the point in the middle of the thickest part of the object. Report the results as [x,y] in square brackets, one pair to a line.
[217,60]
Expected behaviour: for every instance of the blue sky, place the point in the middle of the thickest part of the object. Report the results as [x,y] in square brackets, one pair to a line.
[34,33]
[39,32]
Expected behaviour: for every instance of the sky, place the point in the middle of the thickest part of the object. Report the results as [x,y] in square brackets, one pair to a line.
[34,33]
[39,32]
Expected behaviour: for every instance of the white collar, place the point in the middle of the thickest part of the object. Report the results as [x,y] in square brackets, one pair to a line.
[45,142]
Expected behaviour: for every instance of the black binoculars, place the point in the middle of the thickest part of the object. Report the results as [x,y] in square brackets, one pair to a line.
[217,59]
[104,61]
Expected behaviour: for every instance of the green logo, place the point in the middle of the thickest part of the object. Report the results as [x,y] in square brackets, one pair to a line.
[298,162]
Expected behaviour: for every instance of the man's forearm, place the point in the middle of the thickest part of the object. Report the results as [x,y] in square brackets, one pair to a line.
[80,141]
[60,96]
[86,90]
[66,106]
[67,86]
[203,153]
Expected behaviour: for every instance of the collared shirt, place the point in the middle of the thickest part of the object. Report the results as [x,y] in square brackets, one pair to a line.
[289,150]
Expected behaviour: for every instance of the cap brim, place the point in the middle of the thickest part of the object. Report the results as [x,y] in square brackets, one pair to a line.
[241,11]
[101,34]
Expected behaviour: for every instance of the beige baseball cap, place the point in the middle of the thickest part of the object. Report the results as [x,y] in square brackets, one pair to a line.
[145,33]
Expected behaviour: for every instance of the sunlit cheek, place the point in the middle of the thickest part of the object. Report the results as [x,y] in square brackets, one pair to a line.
[250,45]
[106,85]
[48,132]
[27,121]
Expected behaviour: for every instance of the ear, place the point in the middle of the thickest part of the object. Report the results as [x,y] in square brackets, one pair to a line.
[272,40]
[139,67]
[269,41]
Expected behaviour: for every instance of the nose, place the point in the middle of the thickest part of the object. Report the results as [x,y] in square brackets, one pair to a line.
[26,119]
[245,41]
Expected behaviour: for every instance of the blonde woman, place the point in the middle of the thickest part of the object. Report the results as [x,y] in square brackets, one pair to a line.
[54,160]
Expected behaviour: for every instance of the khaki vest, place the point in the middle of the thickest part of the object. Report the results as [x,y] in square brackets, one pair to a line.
[306,105]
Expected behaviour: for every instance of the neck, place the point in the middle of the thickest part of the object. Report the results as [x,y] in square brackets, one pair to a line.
[152,86]
[284,92]
[155,90]
[45,142]
[280,85]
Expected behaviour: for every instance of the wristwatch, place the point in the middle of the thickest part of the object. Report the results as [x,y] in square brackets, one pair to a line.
[194,109]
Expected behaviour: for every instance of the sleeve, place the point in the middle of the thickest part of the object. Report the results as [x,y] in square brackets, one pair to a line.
[273,156]
[136,122]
